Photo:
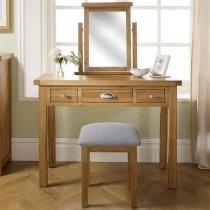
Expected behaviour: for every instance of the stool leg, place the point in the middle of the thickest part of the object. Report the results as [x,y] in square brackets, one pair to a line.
[129,169]
[133,172]
[85,175]
[88,159]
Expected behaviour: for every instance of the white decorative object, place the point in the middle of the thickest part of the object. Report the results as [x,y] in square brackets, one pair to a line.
[160,65]
[139,72]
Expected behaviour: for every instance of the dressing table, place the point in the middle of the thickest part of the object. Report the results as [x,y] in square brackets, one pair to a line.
[109,90]
[107,85]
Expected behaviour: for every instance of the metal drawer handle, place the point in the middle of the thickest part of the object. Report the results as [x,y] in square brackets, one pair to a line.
[64,96]
[107,95]
[151,96]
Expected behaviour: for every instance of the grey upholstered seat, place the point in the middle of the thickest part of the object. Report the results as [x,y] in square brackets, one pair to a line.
[109,137]
[109,134]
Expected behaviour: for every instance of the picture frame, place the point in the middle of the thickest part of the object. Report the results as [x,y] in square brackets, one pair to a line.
[160,65]
[5,15]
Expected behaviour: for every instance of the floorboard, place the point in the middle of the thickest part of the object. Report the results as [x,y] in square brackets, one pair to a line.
[109,190]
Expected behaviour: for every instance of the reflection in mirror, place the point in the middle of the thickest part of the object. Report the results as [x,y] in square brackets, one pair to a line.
[107,39]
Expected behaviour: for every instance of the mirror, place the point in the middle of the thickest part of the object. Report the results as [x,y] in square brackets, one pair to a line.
[107,39]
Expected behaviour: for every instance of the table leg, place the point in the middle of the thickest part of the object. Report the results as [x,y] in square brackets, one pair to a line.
[172,134]
[51,137]
[43,168]
[163,137]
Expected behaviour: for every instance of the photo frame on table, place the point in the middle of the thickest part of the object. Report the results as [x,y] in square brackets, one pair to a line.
[160,65]
[5,14]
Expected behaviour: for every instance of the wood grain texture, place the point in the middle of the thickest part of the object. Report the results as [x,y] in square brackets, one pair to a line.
[51,136]
[120,96]
[134,38]
[63,95]
[43,166]
[127,91]
[104,72]
[5,110]
[105,80]
[86,39]
[80,46]
[107,6]
[7,25]
[150,96]
[128,37]
[19,188]
[133,176]
[85,176]
[172,136]
[132,170]
[163,137]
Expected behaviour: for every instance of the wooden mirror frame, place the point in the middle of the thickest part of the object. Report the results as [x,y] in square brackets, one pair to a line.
[105,6]
[7,24]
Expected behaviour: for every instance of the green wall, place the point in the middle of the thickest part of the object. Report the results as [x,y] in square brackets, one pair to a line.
[69,120]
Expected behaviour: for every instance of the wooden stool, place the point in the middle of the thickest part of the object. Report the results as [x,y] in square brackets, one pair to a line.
[109,137]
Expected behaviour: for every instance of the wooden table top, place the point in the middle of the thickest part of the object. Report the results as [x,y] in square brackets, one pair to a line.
[104,80]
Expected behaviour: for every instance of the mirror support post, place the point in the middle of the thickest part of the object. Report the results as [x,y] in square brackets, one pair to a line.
[128,29]
[134,37]
[80,46]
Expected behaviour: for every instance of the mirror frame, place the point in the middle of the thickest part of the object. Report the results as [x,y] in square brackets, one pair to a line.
[107,6]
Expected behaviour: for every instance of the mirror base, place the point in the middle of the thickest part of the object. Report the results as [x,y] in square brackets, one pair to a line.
[103,73]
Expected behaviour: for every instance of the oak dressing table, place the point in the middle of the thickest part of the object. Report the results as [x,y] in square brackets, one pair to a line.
[107,90]
[103,79]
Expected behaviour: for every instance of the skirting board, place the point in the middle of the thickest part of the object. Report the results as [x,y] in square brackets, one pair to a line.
[26,149]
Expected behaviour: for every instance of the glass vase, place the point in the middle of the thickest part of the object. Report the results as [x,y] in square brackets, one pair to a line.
[60,72]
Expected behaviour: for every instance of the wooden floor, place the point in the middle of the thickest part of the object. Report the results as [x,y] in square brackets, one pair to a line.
[19,188]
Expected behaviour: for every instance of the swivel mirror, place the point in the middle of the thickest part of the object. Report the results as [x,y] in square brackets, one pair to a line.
[107,38]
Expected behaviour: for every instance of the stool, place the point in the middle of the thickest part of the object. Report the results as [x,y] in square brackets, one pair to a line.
[109,137]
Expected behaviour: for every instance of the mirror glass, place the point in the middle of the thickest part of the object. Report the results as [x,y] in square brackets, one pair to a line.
[107,39]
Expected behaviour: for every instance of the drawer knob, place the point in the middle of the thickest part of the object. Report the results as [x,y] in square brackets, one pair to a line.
[64,96]
[107,95]
[151,96]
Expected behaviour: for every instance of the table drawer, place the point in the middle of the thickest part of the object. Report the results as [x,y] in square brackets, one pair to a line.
[150,96]
[107,95]
[64,95]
